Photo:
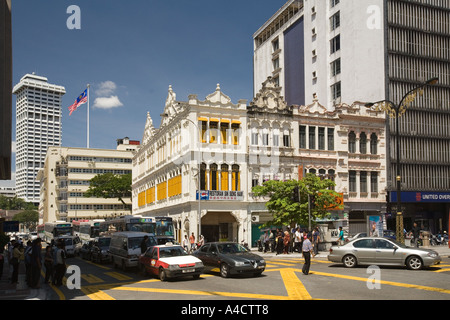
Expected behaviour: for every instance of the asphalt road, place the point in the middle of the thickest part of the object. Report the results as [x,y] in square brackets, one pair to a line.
[281,281]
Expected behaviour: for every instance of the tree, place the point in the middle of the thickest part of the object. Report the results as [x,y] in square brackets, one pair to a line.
[109,186]
[287,211]
[29,218]
[15,203]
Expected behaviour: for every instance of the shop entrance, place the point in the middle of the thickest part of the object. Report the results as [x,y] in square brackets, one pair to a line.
[219,226]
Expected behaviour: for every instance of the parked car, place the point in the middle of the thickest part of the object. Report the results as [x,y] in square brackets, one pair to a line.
[382,251]
[99,251]
[85,250]
[72,244]
[231,258]
[170,261]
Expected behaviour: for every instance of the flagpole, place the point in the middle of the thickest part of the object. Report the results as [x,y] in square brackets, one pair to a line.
[88,115]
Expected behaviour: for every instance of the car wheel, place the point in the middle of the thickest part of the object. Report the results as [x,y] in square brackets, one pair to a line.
[349,261]
[224,270]
[414,263]
[162,274]
[197,276]
[124,266]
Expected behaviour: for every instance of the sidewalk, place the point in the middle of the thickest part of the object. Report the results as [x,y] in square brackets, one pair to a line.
[19,291]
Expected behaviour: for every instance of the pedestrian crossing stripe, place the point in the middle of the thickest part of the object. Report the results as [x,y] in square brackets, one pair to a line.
[90,278]
[118,276]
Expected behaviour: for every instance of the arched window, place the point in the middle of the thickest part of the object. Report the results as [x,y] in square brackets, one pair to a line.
[236,178]
[224,177]
[352,142]
[213,177]
[363,143]
[203,176]
[373,143]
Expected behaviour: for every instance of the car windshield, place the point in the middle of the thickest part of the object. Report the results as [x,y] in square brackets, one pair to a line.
[172,252]
[134,243]
[230,248]
[104,242]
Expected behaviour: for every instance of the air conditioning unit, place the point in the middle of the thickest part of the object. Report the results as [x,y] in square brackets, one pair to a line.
[255,218]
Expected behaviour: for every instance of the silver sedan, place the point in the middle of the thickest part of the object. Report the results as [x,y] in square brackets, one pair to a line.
[382,251]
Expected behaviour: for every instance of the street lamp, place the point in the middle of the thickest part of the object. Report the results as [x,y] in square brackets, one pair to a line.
[396,111]
[199,214]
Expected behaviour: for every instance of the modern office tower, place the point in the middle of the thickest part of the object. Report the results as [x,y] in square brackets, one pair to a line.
[38,126]
[5,89]
[418,48]
[353,50]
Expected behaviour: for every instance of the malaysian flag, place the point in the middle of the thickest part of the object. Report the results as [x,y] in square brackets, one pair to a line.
[80,100]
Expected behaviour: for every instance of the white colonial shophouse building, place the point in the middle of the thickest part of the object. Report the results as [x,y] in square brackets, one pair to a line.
[241,146]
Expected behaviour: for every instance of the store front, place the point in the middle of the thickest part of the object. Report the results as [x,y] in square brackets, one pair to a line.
[219,226]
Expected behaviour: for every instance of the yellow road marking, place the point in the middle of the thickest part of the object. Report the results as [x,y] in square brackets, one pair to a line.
[442,270]
[294,287]
[118,276]
[96,294]
[91,278]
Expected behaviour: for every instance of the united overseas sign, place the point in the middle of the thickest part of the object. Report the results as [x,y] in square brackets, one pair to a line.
[418,196]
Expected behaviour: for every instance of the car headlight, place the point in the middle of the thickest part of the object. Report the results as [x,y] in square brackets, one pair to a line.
[239,263]
[433,254]
[104,252]
[262,261]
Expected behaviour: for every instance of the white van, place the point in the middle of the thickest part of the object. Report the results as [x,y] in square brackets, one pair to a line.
[125,248]
[72,244]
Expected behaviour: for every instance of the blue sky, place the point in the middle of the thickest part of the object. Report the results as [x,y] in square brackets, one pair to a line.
[130,52]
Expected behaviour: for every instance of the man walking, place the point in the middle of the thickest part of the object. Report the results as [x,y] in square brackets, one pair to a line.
[307,249]
[316,239]
[416,234]
[192,241]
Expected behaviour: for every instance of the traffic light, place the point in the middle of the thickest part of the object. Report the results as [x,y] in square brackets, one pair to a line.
[295,195]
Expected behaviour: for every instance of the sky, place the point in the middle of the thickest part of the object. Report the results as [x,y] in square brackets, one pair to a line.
[129,52]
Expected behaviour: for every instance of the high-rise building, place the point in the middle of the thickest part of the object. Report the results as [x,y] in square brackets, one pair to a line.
[347,51]
[38,126]
[5,89]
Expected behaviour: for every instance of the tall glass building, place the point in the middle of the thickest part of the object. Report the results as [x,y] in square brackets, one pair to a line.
[38,126]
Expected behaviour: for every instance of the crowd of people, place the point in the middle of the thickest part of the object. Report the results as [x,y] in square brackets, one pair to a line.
[30,255]
[287,242]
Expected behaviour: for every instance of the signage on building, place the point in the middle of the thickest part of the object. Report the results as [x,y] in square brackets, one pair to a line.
[11,226]
[418,196]
[221,195]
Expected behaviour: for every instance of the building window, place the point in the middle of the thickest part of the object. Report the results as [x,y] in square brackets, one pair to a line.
[373,143]
[363,181]
[203,176]
[363,143]
[374,182]
[312,137]
[236,179]
[336,90]
[213,128]
[235,133]
[352,142]
[335,21]
[213,177]
[333,3]
[336,67]
[265,139]
[331,139]
[275,45]
[286,139]
[321,138]
[335,44]
[204,129]
[352,181]
[276,64]
[276,139]
[224,177]
[224,132]
[302,130]
[255,138]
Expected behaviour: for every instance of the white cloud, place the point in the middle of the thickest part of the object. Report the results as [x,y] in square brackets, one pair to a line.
[106,88]
[107,103]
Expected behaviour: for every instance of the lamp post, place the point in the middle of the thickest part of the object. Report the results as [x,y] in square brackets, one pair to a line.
[397,111]
[199,214]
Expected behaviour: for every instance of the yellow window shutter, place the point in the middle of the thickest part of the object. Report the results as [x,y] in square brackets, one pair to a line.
[224,180]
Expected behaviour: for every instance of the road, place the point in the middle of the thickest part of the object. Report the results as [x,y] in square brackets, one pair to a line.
[281,281]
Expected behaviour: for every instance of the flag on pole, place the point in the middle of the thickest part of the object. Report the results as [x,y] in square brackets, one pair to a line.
[83,98]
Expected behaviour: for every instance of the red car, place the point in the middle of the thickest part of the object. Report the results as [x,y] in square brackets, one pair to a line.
[170,261]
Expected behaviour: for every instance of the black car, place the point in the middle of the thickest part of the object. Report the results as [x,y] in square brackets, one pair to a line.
[231,258]
[85,250]
[99,251]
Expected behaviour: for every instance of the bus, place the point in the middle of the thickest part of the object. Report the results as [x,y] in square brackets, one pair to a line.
[56,229]
[40,231]
[128,223]
[77,225]
[164,226]
[89,230]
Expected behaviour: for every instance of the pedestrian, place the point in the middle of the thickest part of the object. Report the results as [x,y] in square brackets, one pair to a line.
[144,244]
[341,236]
[17,256]
[186,243]
[416,234]
[27,258]
[297,240]
[307,249]
[60,264]
[286,242]
[316,240]
[279,244]
[266,242]
[2,260]
[192,241]
[202,241]
[36,264]
[48,263]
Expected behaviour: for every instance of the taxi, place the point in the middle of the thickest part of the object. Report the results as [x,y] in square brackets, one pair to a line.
[170,261]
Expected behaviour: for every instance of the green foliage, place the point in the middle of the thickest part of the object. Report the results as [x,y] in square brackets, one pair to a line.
[29,218]
[15,203]
[109,185]
[286,211]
